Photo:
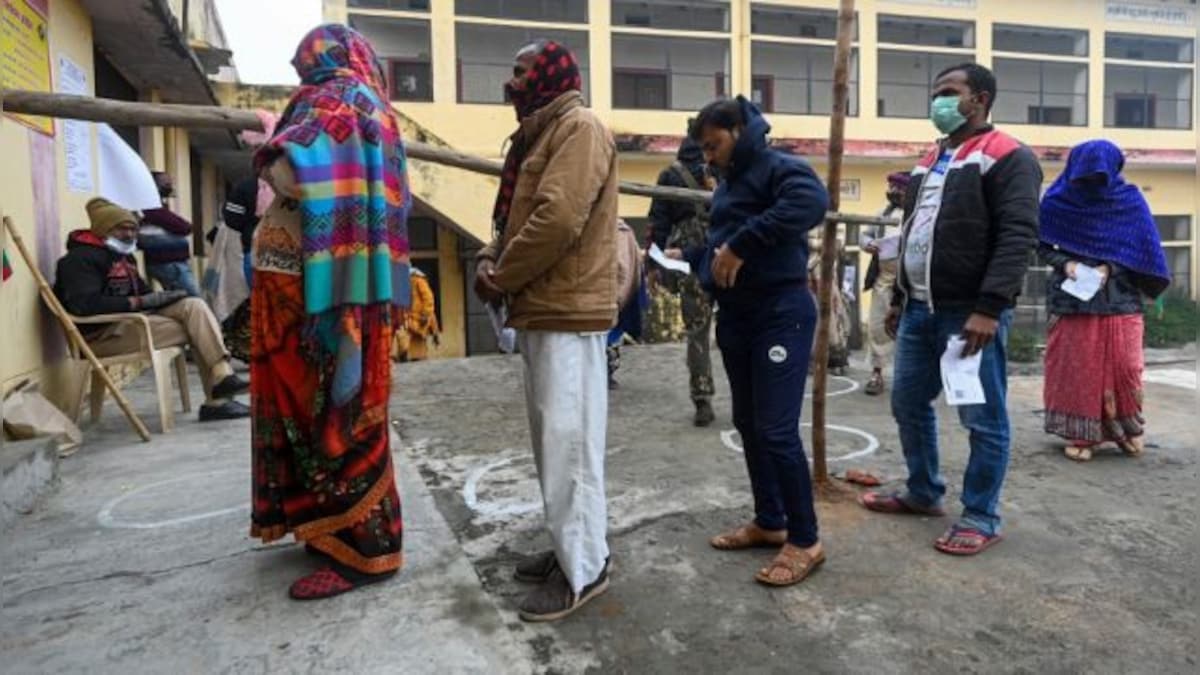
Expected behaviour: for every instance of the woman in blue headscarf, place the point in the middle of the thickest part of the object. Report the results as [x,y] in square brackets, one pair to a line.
[1093,224]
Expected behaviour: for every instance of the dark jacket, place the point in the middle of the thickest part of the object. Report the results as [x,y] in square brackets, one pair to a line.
[93,279]
[986,227]
[763,208]
[170,246]
[1119,295]
[665,214]
[238,212]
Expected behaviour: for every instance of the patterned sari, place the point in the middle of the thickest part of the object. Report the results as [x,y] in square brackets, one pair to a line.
[330,282]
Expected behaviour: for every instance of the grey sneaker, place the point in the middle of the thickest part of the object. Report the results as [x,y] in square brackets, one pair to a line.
[555,600]
[536,568]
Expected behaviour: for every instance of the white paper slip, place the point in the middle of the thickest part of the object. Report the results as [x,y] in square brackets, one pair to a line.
[960,376]
[506,338]
[889,247]
[657,255]
[1086,284]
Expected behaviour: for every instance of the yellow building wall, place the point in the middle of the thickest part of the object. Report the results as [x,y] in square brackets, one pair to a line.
[21,314]
[21,336]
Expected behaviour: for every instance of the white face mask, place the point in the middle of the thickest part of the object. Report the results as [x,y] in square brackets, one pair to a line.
[122,247]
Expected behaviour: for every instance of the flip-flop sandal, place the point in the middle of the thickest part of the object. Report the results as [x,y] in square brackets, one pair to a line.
[979,542]
[892,503]
[1077,453]
[748,536]
[864,478]
[798,564]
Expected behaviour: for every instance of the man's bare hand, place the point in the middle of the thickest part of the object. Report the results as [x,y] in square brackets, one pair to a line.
[891,322]
[979,332]
[725,267]
[485,282]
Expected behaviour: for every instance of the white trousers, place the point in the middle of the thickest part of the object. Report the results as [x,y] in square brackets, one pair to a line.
[880,346]
[566,395]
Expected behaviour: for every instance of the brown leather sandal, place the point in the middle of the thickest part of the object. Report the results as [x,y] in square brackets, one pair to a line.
[748,536]
[798,563]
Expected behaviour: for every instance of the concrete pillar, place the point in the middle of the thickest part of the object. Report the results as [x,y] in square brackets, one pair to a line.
[452,301]
[152,139]
[334,11]
[445,52]
[739,48]
[600,56]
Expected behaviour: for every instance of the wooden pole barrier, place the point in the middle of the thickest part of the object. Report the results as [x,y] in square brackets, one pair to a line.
[73,333]
[128,113]
[828,285]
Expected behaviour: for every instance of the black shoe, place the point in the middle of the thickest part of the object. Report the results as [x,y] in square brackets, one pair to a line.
[229,387]
[536,568]
[229,410]
[613,385]
[704,414]
[555,600]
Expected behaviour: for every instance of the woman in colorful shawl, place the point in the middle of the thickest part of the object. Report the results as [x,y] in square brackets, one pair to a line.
[330,277]
[1092,220]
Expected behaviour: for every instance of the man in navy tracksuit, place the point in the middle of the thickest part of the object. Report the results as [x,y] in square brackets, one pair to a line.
[755,265]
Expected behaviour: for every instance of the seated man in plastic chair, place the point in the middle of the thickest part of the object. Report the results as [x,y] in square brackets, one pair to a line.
[99,275]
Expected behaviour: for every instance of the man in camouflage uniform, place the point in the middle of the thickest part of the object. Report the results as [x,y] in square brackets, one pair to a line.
[676,224]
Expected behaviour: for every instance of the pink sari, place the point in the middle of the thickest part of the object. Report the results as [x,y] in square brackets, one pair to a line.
[1093,388]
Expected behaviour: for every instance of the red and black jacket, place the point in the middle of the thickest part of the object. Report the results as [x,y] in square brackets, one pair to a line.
[93,279]
[986,228]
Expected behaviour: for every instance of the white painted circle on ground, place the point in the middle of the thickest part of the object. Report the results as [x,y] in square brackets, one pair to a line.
[203,483]
[852,386]
[493,508]
[732,440]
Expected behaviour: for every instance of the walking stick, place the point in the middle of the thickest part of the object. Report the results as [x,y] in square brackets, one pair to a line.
[826,285]
[73,333]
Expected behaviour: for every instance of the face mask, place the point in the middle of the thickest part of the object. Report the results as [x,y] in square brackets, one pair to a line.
[944,114]
[122,247]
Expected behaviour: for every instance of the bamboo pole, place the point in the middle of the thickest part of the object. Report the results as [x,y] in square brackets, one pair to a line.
[128,113]
[73,333]
[826,288]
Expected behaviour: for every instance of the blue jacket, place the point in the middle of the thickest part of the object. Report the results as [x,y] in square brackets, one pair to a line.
[764,206]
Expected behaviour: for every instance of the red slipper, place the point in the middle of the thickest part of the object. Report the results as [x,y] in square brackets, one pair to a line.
[328,582]
[972,541]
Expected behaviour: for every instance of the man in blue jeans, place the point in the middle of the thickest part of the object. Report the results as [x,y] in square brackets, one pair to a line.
[164,239]
[970,224]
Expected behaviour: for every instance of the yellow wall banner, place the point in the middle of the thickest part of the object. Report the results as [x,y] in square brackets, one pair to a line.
[25,54]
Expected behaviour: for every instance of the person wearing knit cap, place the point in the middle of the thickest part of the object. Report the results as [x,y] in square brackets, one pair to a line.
[99,275]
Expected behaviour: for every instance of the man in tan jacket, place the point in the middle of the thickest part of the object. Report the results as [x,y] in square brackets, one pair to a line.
[553,262]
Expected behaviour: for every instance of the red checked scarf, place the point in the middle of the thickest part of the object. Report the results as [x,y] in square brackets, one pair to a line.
[554,73]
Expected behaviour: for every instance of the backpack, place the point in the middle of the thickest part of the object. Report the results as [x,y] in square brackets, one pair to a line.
[693,230]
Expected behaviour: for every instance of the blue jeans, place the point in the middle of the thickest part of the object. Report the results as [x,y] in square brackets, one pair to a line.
[919,346]
[175,276]
[765,347]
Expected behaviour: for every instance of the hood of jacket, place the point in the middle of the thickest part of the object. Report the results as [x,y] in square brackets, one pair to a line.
[753,138]
[85,238]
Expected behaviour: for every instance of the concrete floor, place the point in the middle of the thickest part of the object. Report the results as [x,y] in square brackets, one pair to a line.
[141,563]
